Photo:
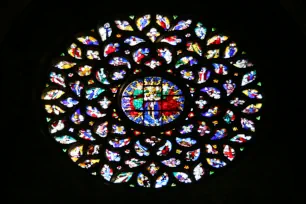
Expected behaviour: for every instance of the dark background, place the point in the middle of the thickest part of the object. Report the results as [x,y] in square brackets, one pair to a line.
[267,173]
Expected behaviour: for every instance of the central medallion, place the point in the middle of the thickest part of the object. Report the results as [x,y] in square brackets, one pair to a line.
[152,101]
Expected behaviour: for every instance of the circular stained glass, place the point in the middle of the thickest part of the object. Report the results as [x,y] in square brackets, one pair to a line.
[153,100]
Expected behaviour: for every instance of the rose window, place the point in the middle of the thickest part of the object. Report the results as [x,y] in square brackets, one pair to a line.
[152,101]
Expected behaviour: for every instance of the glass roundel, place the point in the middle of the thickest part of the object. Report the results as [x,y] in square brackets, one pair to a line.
[129,69]
[152,101]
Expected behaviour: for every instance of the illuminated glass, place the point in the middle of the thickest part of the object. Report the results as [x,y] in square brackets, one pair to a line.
[152,101]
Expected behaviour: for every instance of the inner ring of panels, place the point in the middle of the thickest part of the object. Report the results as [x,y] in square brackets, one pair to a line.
[87,90]
[152,101]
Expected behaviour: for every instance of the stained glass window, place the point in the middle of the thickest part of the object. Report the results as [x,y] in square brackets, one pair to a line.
[152,101]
